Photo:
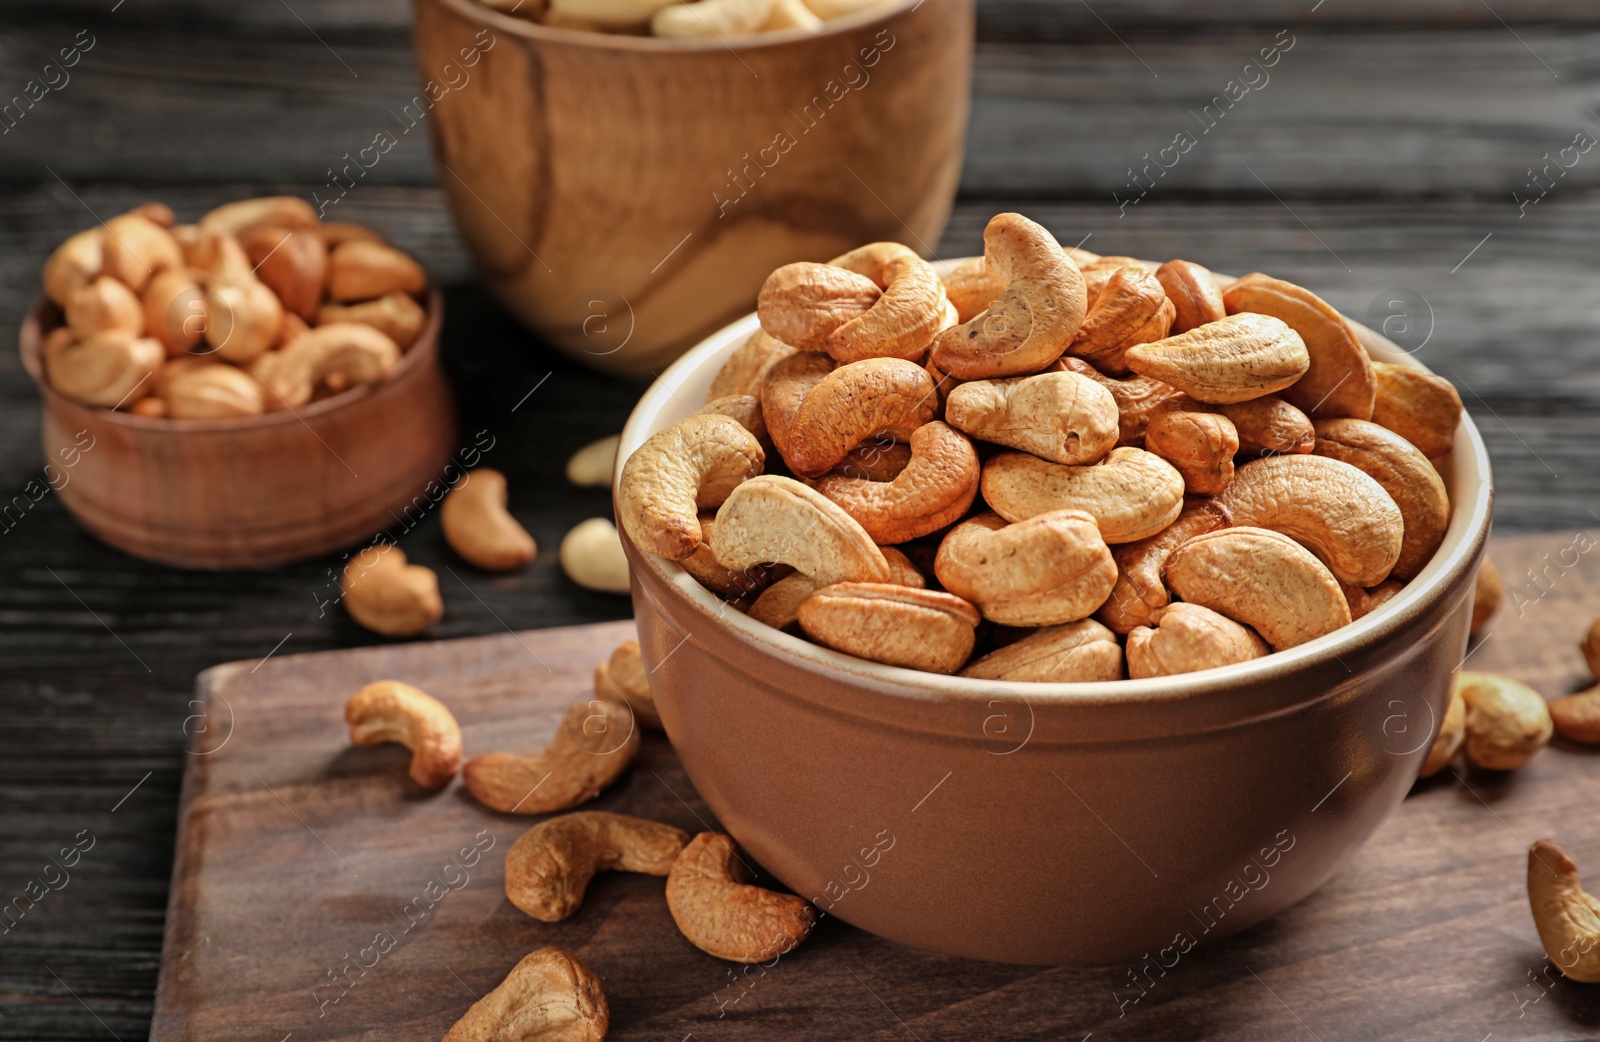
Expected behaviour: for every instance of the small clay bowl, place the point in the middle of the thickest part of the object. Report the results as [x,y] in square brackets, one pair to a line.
[1053,823]
[251,492]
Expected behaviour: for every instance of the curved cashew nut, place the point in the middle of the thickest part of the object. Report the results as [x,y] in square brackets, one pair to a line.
[137,249]
[388,596]
[1567,917]
[1137,397]
[933,490]
[717,18]
[1405,473]
[853,403]
[396,315]
[1231,360]
[361,270]
[293,264]
[904,320]
[111,368]
[1200,443]
[175,310]
[215,391]
[1193,291]
[1132,494]
[243,315]
[74,264]
[1033,321]
[594,743]
[973,287]
[1452,732]
[723,916]
[785,385]
[478,526]
[1577,717]
[623,676]
[1062,417]
[592,465]
[1188,638]
[342,354]
[745,408]
[591,556]
[1079,652]
[895,625]
[285,211]
[710,573]
[389,711]
[1131,309]
[1422,408]
[745,371]
[779,604]
[104,304]
[1507,721]
[695,463]
[548,995]
[1344,517]
[1270,425]
[1140,591]
[805,302]
[777,520]
[1097,270]
[1048,569]
[1339,380]
[549,866]
[1262,579]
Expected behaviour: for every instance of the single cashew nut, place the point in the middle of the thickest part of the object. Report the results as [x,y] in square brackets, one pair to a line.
[1131,309]
[1262,579]
[1452,732]
[175,310]
[1422,408]
[293,264]
[745,371]
[395,315]
[692,464]
[549,996]
[1405,473]
[973,287]
[1140,591]
[362,270]
[338,355]
[710,573]
[235,218]
[592,465]
[1577,717]
[804,303]
[933,490]
[1270,425]
[895,625]
[1035,318]
[787,383]
[1188,638]
[1046,570]
[779,604]
[216,391]
[851,404]
[1566,916]
[1487,592]
[388,596]
[591,555]
[478,526]
[711,18]
[111,368]
[1193,291]
[549,867]
[1098,270]
[1062,417]
[1338,380]
[1132,494]
[1345,517]
[903,321]
[1507,722]
[1231,360]
[137,249]
[1200,444]
[777,520]
[243,315]
[594,743]
[1079,652]
[726,917]
[1137,398]
[389,711]
[74,264]
[104,305]
[623,676]
[743,408]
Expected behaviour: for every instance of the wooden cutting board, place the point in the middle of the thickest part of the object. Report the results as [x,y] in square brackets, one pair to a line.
[318,894]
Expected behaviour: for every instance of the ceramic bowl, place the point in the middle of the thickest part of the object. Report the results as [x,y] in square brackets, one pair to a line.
[1053,823]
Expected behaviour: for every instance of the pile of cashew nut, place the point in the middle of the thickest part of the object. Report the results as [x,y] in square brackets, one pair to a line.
[675,18]
[1048,465]
[258,307]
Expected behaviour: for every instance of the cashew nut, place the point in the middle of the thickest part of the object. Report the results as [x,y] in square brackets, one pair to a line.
[726,917]
[804,303]
[1188,638]
[1137,398]
[972,286]
[934,489]
[293,264]
[243,315]
[1199,443]
[1422,408]
[110,368]
[745,371]
[1270,426]
[1098,270]
[1577,717]
[216,391]
[851,404]
[549,867]
[1589,646]
[1062,417]
[1231,360]
[1132,494]
[779,604]
[1140,591]
[791,14]
[1382,593]
[389,711]
[1048,569]
[340,354]
[104,305]
[1079,652]
[137,248]
[1339,380]
[478,526]
[591,555]
[1193,291]
[1262,579]
[1452,732]
[284,211]
[1566,916]
[395,315]
[1131,309]
[1405,473]
[777,520]
[594,743]
[895,625]
[711,18]
[1487,592]
[388,596]
[361,270]
[903,320]
[787,383]
[592,465]
[1507,721]
[743,408]
[549,996]
[623,676]
[693,464]
[1345,517]
[73,265]
[175,310]
[149,408]
[710,573]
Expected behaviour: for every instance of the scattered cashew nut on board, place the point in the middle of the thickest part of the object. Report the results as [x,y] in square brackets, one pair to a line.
[594,743]
[389,711]
[726,917]
[549,867]
[549,995]
[1566,915]
[623,676]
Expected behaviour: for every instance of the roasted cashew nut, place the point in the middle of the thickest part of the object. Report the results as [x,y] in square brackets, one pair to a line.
[719,18]
[1566,916]
[805,302]
[1137,398]
[1062,417]
[1132,494]
[1131,309]
[1262,579]
[388,596]
[1193,291]
[594,743]
[109,369]
[215,391]
[973,287]
[1577,717]
[1405,473]
[1187,638]
[591,556]
[1201,444]
[933,490]
[1507,721]
[74,264]
[293,264]
[104,305]
[1338,380]
[1422,408]
[549,866]
[851,404]
[549,996]
[745,408]
[1231,360]
[1078,652]
[362,270]
[725,917]
[1035,318]
[779,604]
[745,371]
[1270,426]
[623,677]
[340,354]
[389,711]
[692,464]
[243,315]
[1049,569]
[175,310]
[777,520]
[1452,732]
[785,385]
[478,526]
[726,582]
[593,465]
[904,320]
[283,211]
[137,249]
[896,625]
[1488,590]
[395,315]
[1140,591]
[1098,271]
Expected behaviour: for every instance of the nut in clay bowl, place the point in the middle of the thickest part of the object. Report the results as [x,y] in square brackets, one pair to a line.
[1053,823]
[254,491]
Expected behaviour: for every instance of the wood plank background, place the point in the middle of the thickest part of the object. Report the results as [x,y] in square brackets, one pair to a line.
[1381,156]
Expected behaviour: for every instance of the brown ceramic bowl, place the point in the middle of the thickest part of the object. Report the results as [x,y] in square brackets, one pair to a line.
[625,196]
[251,492]
[1053,823]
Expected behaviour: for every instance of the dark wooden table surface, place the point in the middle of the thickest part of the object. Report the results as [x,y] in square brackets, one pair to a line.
[1392,153]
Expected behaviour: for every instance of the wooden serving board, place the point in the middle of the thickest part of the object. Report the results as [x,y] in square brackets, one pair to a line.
[318,894]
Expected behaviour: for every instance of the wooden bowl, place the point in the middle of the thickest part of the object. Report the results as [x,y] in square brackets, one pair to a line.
[600,181]
[251,492]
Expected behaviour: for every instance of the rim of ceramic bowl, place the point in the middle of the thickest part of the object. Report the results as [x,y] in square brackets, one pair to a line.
[31,345]
[1464,538]
[684,45]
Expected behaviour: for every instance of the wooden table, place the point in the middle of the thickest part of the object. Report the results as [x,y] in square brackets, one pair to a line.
[1384,157]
